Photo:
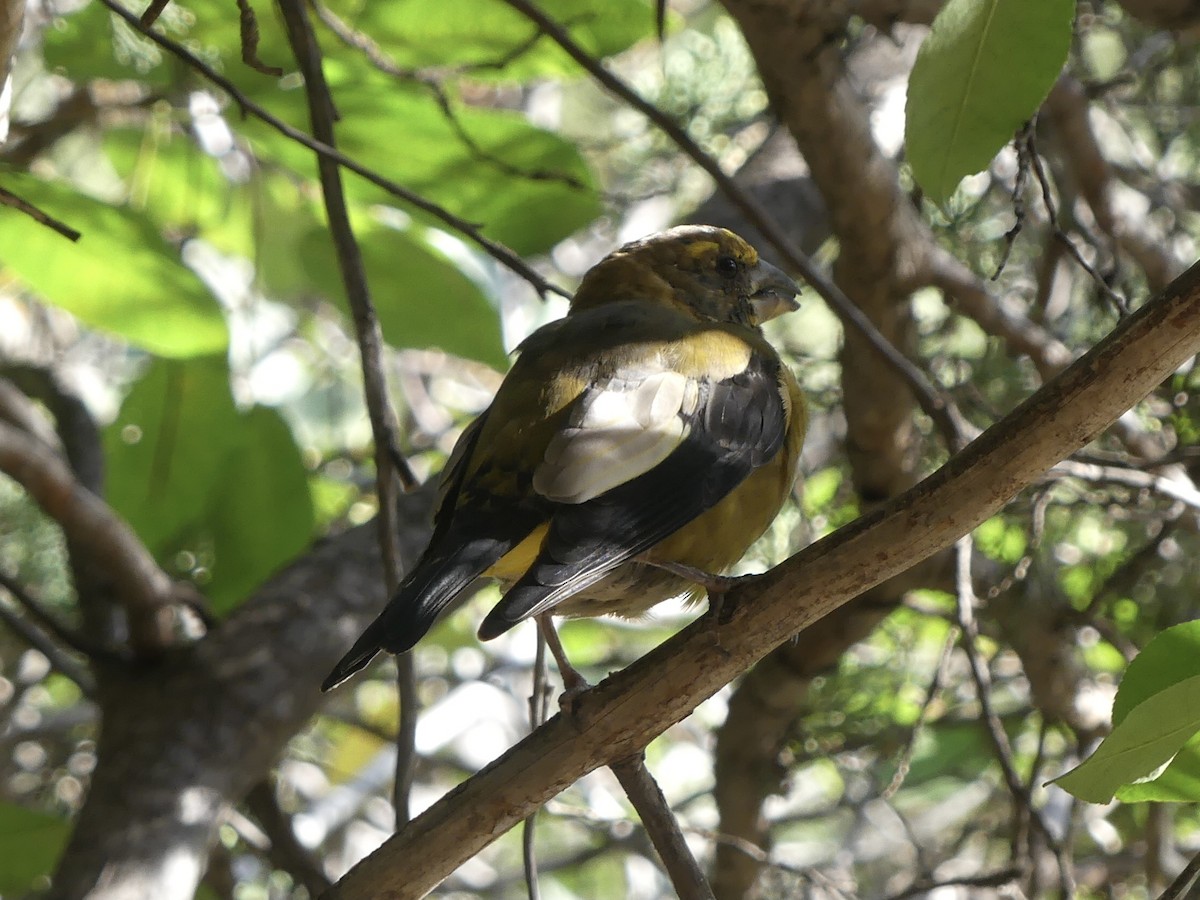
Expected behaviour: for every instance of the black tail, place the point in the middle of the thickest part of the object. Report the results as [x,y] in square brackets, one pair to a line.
[418,601]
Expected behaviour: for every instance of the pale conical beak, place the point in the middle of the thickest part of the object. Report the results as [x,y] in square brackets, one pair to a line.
[774,293]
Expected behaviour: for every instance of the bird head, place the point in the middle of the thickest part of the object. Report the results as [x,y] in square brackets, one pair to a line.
[708,273]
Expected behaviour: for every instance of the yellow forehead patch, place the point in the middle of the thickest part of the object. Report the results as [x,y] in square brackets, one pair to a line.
[732,245]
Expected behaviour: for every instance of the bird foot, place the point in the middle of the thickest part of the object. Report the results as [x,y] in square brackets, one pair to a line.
[574,684]
[717,586]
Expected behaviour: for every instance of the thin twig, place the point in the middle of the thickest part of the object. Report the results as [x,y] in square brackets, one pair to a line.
[370,338]
[660,823]
[1022,800]
[147,592]
[1035,161]
[537,715]
[286,851]
[248,24]
[1181,887]
[153,11]
[1018,199]
[60,632]
[931,695]
[433,83]
[935,404]
[469,230]
[406,735]
[8,198]
[40,641]
[989,879]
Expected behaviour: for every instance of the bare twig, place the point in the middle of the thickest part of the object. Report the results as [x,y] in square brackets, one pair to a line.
[1035,161]
[40,641]
[64,635]
[1181,887]
[647,798]
[8,198]
[248,23]
[1022,801]
[989,879]
[935,404]
[467,229]
[433,83]
[538,696]
[366,326]
[145,590]
[153,11]
[1184,492]
[932,693]
[286,851]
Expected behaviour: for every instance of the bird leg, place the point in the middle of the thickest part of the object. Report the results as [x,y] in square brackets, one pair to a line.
[574,684]
[717,586]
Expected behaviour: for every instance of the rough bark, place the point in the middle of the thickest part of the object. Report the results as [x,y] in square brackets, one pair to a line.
[183,740]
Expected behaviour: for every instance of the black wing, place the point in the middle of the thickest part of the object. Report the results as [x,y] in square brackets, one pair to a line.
[739,424]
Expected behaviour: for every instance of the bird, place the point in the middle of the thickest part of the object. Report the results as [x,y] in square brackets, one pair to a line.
[636,445]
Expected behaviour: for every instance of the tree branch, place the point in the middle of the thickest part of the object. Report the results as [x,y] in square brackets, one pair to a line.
[647,798]
[145,590]
[626,711]
[388,460]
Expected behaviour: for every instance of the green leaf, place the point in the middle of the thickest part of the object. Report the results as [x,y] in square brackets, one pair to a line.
[983,70]
[188,471]
[262,511]
[524,186]
[32,843]
[120,277]
[167,447]
[180,187]
[491,41]
[1171,657]
[421,298]
[1149,736]
[1180,783]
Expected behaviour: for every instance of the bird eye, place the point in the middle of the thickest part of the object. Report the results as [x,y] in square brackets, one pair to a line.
[727,266]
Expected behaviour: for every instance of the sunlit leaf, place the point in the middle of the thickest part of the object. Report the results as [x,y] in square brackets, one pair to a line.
[120,277]
[983,70]
[492,41]
[168,445]
[261,514]
[1147,738]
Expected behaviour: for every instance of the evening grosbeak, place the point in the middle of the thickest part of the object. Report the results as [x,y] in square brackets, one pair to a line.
[653,425]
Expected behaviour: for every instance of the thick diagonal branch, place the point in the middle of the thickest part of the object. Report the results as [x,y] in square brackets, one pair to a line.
[630,708]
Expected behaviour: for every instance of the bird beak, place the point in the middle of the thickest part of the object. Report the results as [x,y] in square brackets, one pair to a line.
[773,293]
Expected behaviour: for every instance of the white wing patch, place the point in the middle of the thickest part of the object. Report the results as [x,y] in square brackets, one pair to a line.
[621,429]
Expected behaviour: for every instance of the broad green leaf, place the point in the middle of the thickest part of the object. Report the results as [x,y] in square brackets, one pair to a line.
[262,512]
[490,40]
[167,447]
[31,842]
[1149,736]
[524,186]
[180,187]
[188,471]
[120,277]
[1179,783]
[983,70]
[421,298]
[1172,656]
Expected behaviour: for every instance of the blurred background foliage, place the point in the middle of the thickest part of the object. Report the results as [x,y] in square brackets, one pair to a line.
[202,320]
